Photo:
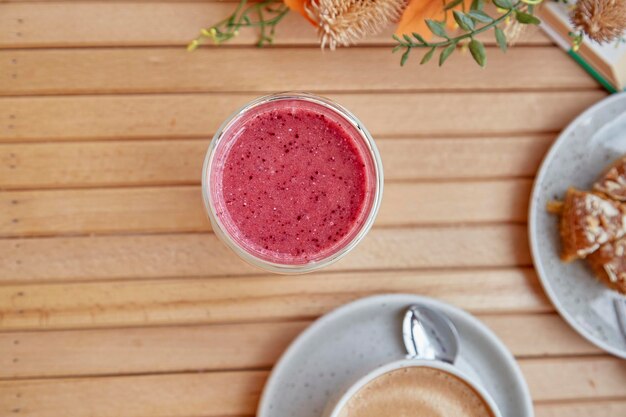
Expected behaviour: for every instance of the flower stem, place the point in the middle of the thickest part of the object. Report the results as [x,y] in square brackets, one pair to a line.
[257,15]
[457,39]
[521,10]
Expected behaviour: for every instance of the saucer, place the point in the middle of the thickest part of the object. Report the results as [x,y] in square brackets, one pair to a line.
[582,152]
[351,341]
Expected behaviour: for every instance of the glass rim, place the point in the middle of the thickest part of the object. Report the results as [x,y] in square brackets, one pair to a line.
[222,233]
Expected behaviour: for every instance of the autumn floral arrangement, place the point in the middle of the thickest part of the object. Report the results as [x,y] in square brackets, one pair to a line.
[433,26]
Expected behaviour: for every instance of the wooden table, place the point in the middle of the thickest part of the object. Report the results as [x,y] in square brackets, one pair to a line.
[116,300]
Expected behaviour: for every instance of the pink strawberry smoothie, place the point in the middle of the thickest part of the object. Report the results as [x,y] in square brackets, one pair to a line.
[292,181]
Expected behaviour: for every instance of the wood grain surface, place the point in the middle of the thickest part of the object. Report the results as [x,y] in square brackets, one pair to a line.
[164,70]
[198,115]
[117,300]
[141,22]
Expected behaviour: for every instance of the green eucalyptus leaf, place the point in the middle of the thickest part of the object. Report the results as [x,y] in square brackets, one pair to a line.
[419,37]
[452,4]
[463,21]
[427,56]
[446,53]
[526,19]
[501,39]
[436,28]
[407,38]
[477,50]
[504,4]
[395,37]
[480,16]
[396,48]
[405,56]
[477,4]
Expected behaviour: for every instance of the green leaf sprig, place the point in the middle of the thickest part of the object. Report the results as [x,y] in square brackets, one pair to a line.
[471,23]
[264,15]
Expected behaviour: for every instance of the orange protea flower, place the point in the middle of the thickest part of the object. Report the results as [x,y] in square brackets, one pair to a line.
[300,6]
[414,17]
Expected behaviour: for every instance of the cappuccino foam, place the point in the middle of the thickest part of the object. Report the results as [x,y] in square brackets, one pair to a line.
[416,392]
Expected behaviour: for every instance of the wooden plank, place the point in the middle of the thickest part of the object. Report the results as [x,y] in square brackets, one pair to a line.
[102,211]
[145,163]
[168,255]
[180,209]
[174,70]
[259,298]
[144,23]
[144,350]
[198,115]
[215,347]
[575,379]
[204,394]
[93,164]
[455,202]
[236,393]
[596,408]
[467,158]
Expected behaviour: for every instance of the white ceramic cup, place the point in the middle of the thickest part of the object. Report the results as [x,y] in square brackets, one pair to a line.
[334,407]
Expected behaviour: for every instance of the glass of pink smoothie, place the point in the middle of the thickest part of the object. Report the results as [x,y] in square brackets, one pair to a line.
[292,182]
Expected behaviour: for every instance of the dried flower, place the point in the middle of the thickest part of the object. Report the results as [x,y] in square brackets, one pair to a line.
[601,20]
[343,22]
[513,29]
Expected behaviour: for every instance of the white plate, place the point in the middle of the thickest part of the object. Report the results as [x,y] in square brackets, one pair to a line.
[577,158]
[342,346]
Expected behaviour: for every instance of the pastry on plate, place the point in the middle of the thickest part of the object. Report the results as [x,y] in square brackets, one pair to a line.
[613,182]
[609,264]
[587,222]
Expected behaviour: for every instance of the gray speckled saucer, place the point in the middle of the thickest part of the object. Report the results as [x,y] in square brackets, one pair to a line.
[344,345]
[577,158]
